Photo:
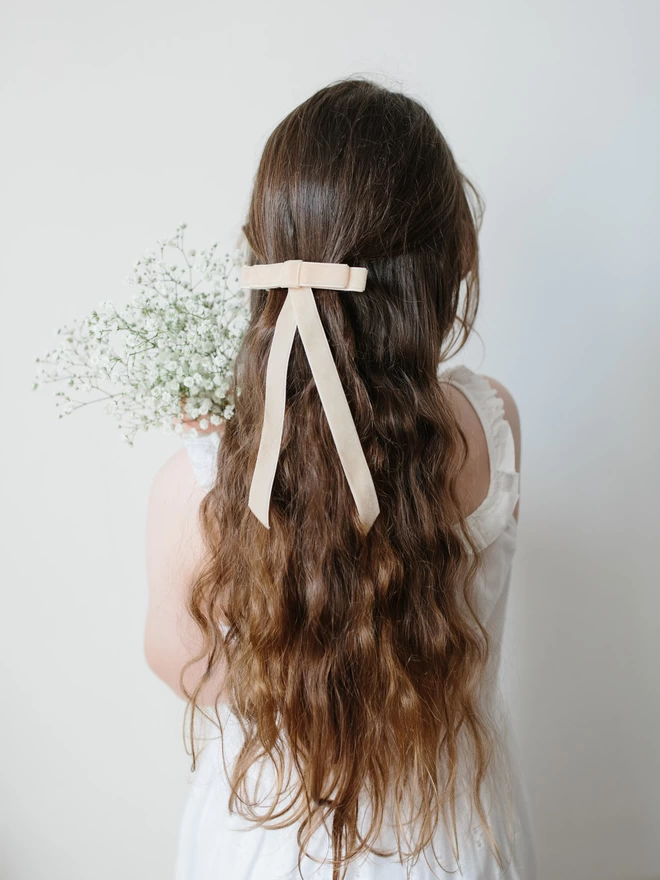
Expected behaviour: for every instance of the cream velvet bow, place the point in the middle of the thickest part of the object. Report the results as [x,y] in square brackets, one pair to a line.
[299,311]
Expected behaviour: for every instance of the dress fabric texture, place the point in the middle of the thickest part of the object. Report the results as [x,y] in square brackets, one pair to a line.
[215,844]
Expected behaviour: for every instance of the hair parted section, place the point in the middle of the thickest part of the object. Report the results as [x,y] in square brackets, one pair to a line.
[355,663]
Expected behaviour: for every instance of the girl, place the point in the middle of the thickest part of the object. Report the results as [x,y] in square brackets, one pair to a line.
[340,665]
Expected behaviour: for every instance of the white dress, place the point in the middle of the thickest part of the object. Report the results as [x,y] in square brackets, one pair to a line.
[217,845]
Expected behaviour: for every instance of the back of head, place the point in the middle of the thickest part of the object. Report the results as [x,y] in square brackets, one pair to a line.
[357,659]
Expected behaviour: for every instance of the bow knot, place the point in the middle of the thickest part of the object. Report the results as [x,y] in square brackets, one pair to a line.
[290,273]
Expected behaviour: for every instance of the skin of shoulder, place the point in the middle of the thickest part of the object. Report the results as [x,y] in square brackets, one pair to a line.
[474,479]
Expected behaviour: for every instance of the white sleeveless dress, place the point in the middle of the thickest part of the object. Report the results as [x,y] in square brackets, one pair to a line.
[216,845]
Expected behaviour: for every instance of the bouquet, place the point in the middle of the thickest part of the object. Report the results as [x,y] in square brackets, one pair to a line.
[166,358]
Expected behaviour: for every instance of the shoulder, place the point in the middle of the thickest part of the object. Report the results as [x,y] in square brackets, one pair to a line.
[174,481]
[474,477]
[177,490]
[480,398]
[489,417]
[174,500]
[192,468]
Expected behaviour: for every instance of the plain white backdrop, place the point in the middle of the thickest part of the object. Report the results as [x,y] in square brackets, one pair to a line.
[121,120]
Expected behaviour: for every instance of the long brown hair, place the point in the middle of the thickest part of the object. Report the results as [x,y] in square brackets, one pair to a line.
[357,660]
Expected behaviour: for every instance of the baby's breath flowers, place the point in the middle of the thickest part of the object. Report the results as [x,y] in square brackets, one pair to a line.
[165,358]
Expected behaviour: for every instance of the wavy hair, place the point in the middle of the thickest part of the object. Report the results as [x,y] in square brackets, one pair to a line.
[355,660]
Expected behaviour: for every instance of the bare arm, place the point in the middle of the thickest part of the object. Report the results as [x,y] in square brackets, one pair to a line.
[174,552]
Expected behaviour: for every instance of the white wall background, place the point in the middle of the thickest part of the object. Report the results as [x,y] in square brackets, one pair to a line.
[119,120]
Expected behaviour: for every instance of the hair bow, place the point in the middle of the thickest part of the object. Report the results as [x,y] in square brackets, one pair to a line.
[299,312]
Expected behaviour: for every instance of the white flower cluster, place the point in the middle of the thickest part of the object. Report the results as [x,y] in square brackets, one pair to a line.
[169,353]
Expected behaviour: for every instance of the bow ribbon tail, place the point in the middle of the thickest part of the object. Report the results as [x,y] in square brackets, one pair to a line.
[274,406]
[335,404]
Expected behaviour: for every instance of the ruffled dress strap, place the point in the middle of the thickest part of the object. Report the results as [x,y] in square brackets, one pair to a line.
[203,452]
[495,512]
